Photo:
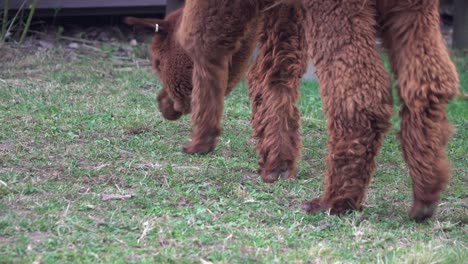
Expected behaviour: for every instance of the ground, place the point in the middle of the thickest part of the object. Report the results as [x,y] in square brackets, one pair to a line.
[76,126]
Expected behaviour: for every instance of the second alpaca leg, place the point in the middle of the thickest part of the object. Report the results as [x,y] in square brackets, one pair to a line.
[427,80]
[356,94]
[274,82]
[210,32]
[209,82]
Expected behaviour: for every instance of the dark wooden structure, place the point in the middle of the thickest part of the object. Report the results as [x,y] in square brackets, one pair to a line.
[172,5]
[460,25]
[96,7]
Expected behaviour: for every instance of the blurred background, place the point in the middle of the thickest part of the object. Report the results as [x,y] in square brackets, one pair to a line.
[75,24]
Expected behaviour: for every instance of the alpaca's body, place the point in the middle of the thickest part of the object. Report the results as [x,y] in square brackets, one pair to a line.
[354,85]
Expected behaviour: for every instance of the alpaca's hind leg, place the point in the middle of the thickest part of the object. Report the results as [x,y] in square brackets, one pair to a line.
[210,32]
[274,83]
[356,94]
[427,80]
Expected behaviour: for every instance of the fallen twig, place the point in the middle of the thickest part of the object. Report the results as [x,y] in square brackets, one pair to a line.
[93,42]
[203,261]
[92,48]
[100,167]
[81,40]
[3,183]
[147,227]
[126,69]
[107,197]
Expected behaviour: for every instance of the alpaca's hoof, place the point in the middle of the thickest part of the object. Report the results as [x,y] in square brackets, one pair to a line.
[200,149]
[274,175]
[313,206]
[421,212]
[335,207]
[171,115]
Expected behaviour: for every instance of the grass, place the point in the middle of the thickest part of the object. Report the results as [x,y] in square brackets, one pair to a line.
[74,127]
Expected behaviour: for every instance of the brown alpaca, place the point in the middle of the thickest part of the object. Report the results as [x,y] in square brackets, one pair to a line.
[355,88]
[175,70]
[211,40]
[174,67]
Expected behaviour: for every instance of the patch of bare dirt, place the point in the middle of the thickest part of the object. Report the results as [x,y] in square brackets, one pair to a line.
[22,212]
[50,173]
[8,55]
[6,146]
[255,177]
[38,237]
[184,203]
[6,240]
[110,180]
[137,131]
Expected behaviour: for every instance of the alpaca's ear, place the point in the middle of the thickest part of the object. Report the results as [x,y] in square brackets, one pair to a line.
[158,25]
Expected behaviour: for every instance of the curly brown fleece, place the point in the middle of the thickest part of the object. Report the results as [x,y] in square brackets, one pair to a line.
[356,92]
[355,88]
[174,67]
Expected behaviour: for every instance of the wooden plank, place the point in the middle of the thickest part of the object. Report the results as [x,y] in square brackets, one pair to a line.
[58,4]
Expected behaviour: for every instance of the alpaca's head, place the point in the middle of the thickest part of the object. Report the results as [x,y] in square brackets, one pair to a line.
[171,63]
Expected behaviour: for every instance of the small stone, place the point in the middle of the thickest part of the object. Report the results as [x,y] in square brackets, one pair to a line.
[45,44]
[73,45]
[133,42]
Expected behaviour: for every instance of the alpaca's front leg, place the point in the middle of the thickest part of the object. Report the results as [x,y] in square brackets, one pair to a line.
[427,81]
[356,96]
[274,90]
[209,85]
[210,32]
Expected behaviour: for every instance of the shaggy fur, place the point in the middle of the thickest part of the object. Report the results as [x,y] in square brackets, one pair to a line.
[211,32]
[174,67]
[355,88]
[357,95]
[175,70]
[274,81]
